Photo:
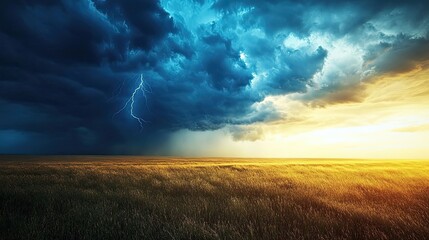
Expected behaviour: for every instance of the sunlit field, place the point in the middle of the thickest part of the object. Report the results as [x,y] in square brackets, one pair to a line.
[168,198]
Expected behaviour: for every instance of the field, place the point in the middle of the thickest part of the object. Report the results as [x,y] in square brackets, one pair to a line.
[113,197]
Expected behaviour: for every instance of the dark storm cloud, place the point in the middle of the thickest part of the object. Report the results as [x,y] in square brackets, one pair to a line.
[56,72]
[204,91]
[67,67]
[65,31]
[144,21]
[401,55]
[335,16]
[293,72]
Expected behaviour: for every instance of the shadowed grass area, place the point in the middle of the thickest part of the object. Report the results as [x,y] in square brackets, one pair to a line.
[63,197]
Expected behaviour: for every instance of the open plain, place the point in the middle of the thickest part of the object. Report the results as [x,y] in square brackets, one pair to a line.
[127,197]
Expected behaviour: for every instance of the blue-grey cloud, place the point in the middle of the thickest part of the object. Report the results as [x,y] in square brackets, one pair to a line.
[66,67]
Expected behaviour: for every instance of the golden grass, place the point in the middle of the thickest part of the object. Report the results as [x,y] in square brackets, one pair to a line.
[63,197]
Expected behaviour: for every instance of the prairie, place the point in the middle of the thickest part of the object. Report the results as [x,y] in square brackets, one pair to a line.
[126,197]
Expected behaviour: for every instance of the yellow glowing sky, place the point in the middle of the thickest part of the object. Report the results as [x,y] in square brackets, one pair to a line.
[390,119]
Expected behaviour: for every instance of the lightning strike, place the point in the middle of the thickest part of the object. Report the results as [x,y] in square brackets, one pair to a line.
[144,89]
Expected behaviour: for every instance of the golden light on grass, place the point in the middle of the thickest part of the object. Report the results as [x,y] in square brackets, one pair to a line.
[174,198]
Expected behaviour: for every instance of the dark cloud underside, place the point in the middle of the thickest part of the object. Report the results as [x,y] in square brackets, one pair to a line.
[66,67]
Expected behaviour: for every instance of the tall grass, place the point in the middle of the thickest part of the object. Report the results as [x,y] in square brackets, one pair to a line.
[167,198]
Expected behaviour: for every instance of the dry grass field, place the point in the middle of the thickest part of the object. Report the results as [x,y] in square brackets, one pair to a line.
[108,197]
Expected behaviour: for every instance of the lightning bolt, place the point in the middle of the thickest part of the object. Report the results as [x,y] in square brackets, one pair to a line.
[144,89]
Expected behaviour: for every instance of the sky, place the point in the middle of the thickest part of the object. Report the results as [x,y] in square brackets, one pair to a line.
[325,78]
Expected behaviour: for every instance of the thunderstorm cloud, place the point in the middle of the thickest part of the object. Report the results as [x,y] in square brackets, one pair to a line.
[68,66]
